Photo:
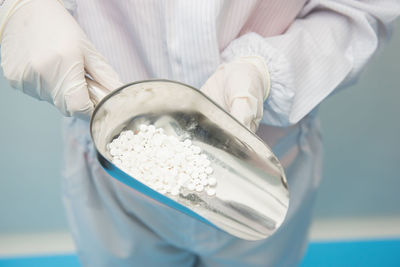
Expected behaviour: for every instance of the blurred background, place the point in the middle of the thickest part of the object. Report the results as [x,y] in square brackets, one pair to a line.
[358,198]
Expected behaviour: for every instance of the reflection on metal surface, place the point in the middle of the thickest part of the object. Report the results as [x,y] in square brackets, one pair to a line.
[252,196]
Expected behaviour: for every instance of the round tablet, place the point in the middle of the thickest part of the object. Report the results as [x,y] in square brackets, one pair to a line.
[187,143]
[199,188]
[196,149]
[143,127]
[175,191]
[202,176]
[191,186]
[211,191]
[212,181]
[204,182]
[208,170]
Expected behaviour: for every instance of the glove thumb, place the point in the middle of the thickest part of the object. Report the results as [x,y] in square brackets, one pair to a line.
[243,110]
[99,70]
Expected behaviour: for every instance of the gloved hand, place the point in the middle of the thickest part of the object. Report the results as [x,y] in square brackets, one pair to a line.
[241,87]
[45,54]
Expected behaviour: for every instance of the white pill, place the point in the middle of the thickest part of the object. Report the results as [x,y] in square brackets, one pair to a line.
[135,139]
[157,142]
[123,139]
[143,127]
[200,169]
[113,151]
[129,134]
[138,148]
[167,187]
[174,172]
[196,149]
[148,135]
[172,138]
[188,152]
[208,170]
[199,188]
[175,191]
[162,162]
[124,165]
[178,149]
[167,179]
[202,176]
[204,182]
[206,163]
[187,143]
[211,191]
[191,186]
[189,169]
[158,185]
[117,162]
[212,181]
[179,157]
[184,177]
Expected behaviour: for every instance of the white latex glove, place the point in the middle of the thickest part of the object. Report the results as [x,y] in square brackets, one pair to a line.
[241,87]
[45,54]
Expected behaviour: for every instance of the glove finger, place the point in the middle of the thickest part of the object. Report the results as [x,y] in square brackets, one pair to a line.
[77,100]
[207,87]
[242,109]
[214,89]
[66,79]
[98,68]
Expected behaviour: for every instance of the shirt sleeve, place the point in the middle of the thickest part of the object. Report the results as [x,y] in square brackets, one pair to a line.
[324,49]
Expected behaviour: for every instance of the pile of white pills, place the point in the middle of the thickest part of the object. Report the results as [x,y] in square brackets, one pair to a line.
[162,162]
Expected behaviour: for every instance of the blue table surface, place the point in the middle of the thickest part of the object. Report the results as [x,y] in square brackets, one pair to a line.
[384,253]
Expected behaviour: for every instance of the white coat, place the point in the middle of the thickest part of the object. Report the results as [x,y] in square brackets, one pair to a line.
[311,48]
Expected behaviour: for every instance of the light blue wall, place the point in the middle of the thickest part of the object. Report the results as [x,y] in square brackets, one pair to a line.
[30,164]
[361,131]
[361,136]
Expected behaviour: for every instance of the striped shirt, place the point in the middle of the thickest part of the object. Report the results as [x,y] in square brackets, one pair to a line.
[310,47]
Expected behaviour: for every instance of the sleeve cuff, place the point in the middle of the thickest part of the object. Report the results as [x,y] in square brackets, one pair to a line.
[278,105]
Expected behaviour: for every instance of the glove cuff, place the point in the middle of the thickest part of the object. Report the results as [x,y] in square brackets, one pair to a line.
[281,96]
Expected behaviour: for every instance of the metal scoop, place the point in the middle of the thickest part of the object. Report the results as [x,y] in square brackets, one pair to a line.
[252,195]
